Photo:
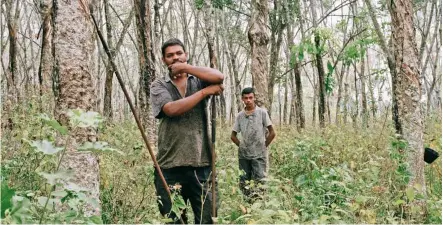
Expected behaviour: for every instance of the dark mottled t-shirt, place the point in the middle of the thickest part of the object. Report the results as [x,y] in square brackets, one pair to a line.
[253,130]
[182,140]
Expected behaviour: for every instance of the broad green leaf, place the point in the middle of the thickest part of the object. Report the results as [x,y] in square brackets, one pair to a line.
[74,187]
[7,195]
[54,178]
[54,124]
[97,146]
[44,146]
[20,210]
[59,193]
[42,201]
[80,118]
[95,220]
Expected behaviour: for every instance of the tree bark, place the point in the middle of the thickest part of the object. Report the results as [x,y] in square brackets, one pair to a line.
[107,103]
[391,62]
[146,60]
[45,68]
[364,100]
[258,39]
[371,92]
[320,68]
[408,89]
[277,27]
[73,45]
[12,73]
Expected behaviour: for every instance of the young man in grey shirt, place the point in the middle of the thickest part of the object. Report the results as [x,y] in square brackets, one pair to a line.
[255,127]
[179,101]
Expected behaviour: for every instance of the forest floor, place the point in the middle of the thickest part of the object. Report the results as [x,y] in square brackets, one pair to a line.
[343,174]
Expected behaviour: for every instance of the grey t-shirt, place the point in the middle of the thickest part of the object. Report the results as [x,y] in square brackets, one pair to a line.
[182,140]
[253,133]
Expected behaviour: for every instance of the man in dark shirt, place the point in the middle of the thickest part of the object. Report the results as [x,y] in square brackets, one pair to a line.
[179,101]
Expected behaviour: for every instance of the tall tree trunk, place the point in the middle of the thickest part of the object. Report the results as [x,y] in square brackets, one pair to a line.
[346,103]
[210,33]
[158,38]
[258,39]
[391,62]
[314,98]
[12,73]
[73,45]
[355,108]
[408,89]
[297,74]
[277,27]
[280,116]
[107,103]
[371,91]
[339,96]
[45,68]
[426,32]
[320,68]
[299,95]
[285,104]
[114,49]
[364,100]
[236,83]
[196,29]
[146,60]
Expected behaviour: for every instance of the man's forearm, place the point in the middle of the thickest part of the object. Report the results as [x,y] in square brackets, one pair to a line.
[235,140]
[206,74]
[179,107]
[269,139]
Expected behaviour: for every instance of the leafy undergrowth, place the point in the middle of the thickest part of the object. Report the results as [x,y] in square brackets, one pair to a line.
[340,175]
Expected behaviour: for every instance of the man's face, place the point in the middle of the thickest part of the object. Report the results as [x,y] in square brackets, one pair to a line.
[173,54]
[248,99]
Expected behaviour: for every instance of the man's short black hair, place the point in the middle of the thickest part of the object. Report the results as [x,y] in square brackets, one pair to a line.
[172,42]
[248,90]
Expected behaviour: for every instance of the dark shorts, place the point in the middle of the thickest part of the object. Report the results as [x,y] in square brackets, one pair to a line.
[195,185]
[254,170]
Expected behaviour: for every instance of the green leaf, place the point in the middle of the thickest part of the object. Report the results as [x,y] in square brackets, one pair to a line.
[54,124]
[97,146]
[80,118]
[74,187]
[399,202]
[44,146]
[95,220]
[7,195]
[59,193]
[199,4]
[53,178]
[42,201]
[330,68]
[20,210]
[410,194]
